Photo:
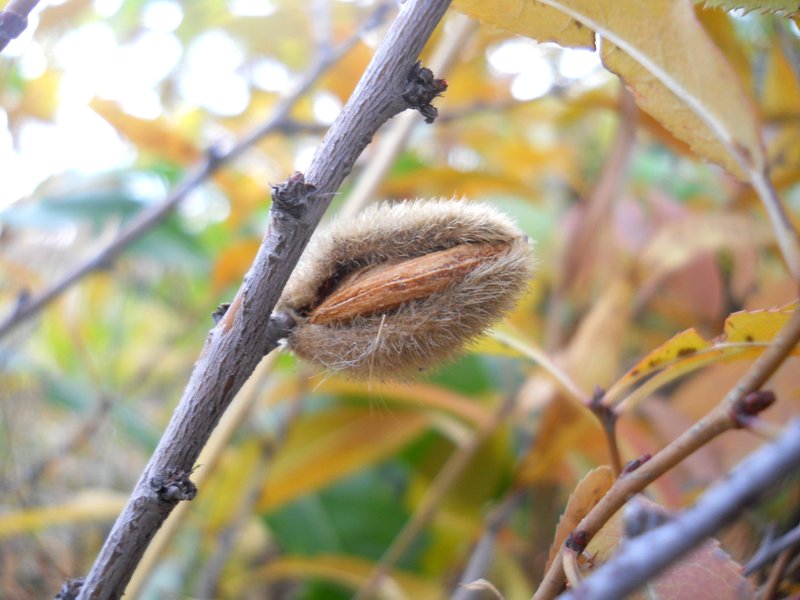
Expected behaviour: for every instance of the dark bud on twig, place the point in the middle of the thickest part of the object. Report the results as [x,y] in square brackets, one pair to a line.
[70,589]
[290,196]
[421,88]
[220,312]
[577,541]
[597,396]
[281,324]
[634,464]
[606,414]
[641,517]
[174,486]
[216,153]
[22,299]
[751,405]
[11,24]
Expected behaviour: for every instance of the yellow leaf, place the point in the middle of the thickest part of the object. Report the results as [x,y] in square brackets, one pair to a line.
[233,263]
[781,87]
[327,446]
[341,80]
[420,395]
[678,243]
[245,192]
[564,429]
[349,571]
[587,493]
[667,59]
[665,56]
[720,27]
[40,98]
[746,334]
[594,352]
[91,506]
[157,136]
[528,18]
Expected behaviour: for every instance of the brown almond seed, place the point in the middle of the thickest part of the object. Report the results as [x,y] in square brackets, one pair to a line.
[385,287]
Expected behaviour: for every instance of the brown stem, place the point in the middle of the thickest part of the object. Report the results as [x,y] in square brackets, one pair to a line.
[607,415]
[720,419]
[776,574]
[210,574]
[237,413]
[582,249]
[785,233]
[247,330]
[643,557]
[771,550]
[484,551]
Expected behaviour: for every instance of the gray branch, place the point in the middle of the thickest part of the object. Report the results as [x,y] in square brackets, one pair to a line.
[144,222]
[247,330]
[643,557]
[772,549]
[14,20]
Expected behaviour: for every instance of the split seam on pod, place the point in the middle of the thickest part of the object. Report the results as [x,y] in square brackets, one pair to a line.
[404,286]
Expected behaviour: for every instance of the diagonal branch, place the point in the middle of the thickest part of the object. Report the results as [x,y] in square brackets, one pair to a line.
[645,556]
[149,218]
[723,417]
[14,20]
[248,329]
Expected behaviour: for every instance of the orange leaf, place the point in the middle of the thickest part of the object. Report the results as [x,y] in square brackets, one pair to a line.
[564,429]
[420,395]
[327,446]
[233,263]
[587,494]
[680,242]
[90,506]
[157,136]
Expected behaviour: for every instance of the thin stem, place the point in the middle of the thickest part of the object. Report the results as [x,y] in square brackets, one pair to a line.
[718,420]
[785,233]
[248,330]
[483,553]
[704,431]
[771,550]
[776,574]
[643,557]
[209,458]
[564,381]
[610,431]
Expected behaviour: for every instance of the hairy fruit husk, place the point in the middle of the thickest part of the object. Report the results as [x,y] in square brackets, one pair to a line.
[405,286]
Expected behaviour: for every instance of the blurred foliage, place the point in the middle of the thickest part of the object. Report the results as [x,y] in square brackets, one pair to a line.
[106,105]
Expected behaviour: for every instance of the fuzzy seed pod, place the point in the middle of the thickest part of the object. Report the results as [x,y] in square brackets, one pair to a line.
[403,286]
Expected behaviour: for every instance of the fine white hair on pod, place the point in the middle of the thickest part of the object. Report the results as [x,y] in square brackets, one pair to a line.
[404,286]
